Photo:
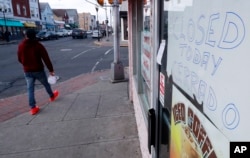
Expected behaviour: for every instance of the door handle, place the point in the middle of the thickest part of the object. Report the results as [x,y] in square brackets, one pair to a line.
[151,128]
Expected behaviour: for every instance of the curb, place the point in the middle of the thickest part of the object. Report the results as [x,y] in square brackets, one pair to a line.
[15,105]
[6,43]
[98,43]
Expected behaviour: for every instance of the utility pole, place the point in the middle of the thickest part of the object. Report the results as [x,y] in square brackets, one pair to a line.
[4,10]
[97,23]
[106,23]
[117,69]
[110,18]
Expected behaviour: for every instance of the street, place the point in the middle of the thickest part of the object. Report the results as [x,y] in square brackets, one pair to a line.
[70,58]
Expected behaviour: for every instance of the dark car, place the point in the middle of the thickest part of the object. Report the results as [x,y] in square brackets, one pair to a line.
[79,33]
[46,35]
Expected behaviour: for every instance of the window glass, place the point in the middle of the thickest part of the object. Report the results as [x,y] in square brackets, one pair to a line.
[32,12]
[18,9]
[146,53]
[24,11]
[37,15]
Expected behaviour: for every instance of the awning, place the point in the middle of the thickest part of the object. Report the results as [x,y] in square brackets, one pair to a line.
[49,25]
[11,23]
[26,24]
[59,22]
[38,23]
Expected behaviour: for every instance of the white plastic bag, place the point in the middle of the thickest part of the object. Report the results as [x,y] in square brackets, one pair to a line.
[52,79]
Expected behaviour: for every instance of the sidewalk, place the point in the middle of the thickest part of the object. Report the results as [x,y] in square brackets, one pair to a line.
[3,42]
[92,118]
[108,41]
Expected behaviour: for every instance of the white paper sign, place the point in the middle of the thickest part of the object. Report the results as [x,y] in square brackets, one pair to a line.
[161,51]
[208,57]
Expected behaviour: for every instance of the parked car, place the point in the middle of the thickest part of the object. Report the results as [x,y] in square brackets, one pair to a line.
[69,32]
[62,33]
[89,32]
[46,35]
[96,34]
[79,33]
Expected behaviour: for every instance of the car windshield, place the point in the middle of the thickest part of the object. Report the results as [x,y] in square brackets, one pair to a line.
[41,33]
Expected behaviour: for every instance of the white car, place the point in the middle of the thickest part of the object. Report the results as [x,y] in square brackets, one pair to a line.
[60,33]
[96,34]
[70,32]
[89,32]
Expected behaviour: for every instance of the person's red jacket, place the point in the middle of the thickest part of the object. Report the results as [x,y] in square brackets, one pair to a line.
[32,54]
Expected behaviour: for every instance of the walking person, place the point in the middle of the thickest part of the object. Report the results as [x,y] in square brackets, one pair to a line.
[32,54]
[7,35]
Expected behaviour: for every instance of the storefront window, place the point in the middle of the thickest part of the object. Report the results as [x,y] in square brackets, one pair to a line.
[32,12]
[146,53]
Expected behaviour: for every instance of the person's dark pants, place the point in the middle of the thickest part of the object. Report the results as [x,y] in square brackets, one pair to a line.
[30,79]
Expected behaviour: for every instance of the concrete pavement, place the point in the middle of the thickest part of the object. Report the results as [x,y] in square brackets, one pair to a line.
[92,118]
[108,41]
[3,42]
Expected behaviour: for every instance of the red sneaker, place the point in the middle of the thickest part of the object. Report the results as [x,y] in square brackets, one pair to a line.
[56,93]
[34,110]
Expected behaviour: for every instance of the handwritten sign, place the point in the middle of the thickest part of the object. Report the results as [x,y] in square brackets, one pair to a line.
[208,58]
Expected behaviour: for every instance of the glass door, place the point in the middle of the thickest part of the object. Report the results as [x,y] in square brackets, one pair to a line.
[165,90]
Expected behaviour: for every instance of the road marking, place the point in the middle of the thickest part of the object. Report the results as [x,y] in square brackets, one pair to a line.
[82,53]
[93,69]
[108,51]
[64,50]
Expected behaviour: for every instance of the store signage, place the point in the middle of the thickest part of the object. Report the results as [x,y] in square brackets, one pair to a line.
[162,88]
[146,57]
[192,135]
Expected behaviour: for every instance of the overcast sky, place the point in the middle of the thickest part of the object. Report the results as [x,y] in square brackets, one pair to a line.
[80,5]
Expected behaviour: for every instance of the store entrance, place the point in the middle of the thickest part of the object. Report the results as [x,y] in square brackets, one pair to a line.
[165,93]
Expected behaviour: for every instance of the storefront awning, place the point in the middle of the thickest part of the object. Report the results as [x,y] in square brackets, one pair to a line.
[29,24]
[49,25]
[10,23]
[59,22]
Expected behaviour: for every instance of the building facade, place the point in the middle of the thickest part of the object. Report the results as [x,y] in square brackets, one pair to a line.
[73,18]
[15,16]
[68,16]
[87,21]
[47,17]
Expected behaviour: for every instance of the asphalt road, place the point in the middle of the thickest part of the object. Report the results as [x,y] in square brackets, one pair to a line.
[70,58]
